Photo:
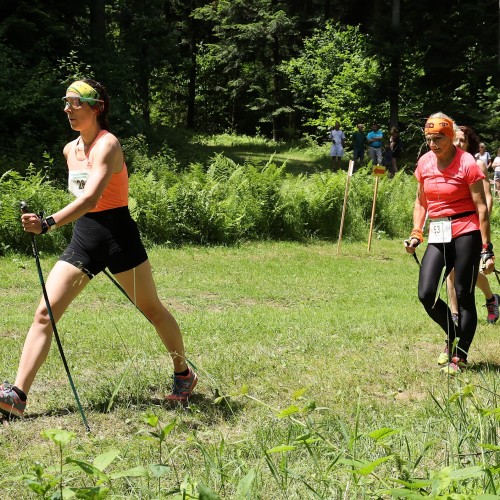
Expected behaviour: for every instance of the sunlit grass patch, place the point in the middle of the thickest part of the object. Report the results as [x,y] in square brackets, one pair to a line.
[317,373]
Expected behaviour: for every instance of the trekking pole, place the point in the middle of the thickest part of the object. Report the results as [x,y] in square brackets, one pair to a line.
[25,210]
[496,275]
[124,292]
[416,258]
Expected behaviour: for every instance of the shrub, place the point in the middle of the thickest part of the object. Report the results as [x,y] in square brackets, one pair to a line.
[39,194]
[224,202]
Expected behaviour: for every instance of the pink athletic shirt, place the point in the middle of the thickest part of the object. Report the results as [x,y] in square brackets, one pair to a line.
[447,191]
[115,194]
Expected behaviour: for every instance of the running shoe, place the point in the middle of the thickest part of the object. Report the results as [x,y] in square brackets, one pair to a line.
[183,386]
[444,357]
[10,402]
[455,366]
[493,309]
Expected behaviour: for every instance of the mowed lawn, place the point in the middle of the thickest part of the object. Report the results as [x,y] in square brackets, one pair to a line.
[271,325]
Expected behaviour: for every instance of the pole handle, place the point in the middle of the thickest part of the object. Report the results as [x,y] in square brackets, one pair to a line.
[24,207]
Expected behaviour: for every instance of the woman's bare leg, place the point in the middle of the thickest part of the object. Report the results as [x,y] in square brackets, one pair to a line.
[484,285]
[141,288]
[452,296]
[63,284]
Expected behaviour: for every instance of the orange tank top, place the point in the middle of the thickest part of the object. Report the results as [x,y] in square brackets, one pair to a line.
[115,194]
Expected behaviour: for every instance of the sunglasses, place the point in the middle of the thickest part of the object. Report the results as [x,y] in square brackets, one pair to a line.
[77,102]
[434,139]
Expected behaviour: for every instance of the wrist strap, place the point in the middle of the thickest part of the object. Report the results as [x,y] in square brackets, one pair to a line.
[417,234]
[45,226]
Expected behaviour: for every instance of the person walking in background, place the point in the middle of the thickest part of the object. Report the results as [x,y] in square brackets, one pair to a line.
[387,158]
[104,236]
[358,141]
[467,140]
[495,165]
[338,143]
[450,191]
[374,138]
[483,155]
[396,149]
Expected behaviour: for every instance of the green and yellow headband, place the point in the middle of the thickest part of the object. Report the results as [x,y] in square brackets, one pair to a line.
[86,91]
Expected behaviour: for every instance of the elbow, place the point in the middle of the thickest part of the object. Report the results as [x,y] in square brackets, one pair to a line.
[483,213]
[88,203]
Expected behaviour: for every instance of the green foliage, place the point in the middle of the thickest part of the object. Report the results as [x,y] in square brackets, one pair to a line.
[40,194]
[222,203]
[335,76]
[392,214]
[378,462]
[230,203]
[58,480]
[489,104]
[284,67]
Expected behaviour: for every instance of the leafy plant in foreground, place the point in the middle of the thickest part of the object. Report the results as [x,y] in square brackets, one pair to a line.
[57,482]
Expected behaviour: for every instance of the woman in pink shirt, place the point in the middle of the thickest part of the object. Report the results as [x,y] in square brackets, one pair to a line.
[450,193]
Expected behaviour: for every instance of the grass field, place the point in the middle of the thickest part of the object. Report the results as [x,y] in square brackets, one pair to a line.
[327,362]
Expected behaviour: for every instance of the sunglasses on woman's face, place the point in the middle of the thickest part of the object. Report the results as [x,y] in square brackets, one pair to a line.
[77,102]
[436,139]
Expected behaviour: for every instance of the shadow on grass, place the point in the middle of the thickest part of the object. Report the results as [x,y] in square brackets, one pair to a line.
[212,411]
[188,150]
[255,155]
[484,366]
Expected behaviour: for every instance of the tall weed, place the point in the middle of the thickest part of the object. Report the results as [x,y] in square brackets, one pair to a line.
[300,451]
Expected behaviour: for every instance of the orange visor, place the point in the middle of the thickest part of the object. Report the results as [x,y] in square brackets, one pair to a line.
[439,126]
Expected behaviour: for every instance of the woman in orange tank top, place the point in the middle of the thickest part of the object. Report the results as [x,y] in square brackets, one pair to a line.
[104,236]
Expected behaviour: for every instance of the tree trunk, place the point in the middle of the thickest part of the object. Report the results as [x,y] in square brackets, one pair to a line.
[98,24]
[191,98]
[395,68]
[276,86]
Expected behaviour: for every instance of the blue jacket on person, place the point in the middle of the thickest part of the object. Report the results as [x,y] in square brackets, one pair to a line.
[372,135]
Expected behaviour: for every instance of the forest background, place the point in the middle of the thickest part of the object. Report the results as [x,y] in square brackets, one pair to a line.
[282,70]
[194,82]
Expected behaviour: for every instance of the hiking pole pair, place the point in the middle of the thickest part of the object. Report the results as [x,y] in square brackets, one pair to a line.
[25,210]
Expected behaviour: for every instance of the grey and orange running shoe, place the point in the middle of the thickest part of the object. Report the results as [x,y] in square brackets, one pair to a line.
[10,402]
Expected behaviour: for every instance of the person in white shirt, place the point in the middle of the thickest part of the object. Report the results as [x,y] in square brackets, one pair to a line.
[495,165]
[483,155]
[337,137]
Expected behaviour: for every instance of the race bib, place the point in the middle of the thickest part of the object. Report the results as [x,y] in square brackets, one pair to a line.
[440,231]
[77,181]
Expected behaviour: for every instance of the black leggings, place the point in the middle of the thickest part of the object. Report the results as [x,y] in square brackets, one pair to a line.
[463,254]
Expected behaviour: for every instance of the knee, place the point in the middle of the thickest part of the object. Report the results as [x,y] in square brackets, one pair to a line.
[42,317]
[427,299]
[465,298]
[155,312]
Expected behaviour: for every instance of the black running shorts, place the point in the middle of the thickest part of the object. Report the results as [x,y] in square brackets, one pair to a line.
[108,239]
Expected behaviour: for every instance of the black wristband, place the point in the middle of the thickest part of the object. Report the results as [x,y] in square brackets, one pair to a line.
[488,247]
[50,222]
